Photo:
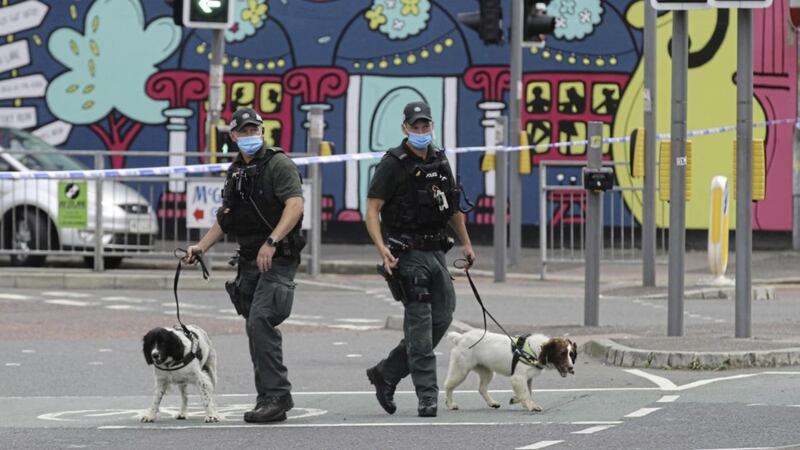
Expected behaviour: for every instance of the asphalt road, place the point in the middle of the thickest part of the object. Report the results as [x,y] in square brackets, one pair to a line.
[72,375]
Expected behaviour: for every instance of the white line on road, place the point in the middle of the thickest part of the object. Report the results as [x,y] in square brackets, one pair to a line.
[592,430]
[356,320]
[13,364]
[661,382]
[598,422]
[353,355]
[96,363]
[325,425]
[337,343]
[642,412]
[66,294]
[15,297]
[65,302]
[668,398]
[104,350]
[27,350]
[540,444]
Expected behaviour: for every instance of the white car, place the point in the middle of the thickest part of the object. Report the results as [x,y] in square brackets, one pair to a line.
[29,227]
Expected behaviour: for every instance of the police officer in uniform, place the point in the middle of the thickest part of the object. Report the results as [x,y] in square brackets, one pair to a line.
[262,208]
[414,192]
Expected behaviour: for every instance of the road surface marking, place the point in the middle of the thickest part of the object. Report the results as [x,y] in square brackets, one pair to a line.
[64,302]
[353,355]
[339,343]
[324,425]
[66,294]
[13,364]
[592,430]
[356,320]
[598,422]
[118,298]
[104,350]
[15,297]
[642,412]
[668,399]
[96,363]
[27,350]
[540,444]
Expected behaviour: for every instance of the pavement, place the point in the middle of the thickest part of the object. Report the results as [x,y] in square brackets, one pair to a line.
[707,347]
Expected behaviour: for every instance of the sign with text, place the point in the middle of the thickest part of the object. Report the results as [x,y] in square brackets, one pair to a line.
[72,204]
[14,55]
[679,5]
[54,133]
[24,117]
[22,16]
[23,87]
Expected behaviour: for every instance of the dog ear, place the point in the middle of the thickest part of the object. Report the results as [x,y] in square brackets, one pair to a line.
[574,350]
[147,345]
[546,354]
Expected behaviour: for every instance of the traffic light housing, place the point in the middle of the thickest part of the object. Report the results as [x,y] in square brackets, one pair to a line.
[487,21]
[536,24]
[214,14]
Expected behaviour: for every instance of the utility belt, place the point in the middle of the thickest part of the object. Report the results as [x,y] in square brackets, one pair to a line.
[288,247]
[399,243]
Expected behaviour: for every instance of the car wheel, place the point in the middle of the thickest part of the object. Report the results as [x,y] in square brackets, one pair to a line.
[30,232]
[109,262]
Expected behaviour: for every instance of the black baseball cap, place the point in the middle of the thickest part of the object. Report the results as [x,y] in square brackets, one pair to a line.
[244,116]
[415,111]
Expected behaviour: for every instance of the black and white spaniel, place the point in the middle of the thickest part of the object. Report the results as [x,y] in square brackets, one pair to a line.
[496,354]
[179,360]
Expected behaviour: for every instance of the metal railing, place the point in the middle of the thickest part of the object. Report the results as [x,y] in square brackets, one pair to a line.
[140,216]
[562,215]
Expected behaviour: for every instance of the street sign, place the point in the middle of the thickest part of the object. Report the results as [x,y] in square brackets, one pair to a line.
[216,14]
[24,117]
[744,4]
[14,55]
[29,86]
[72,204]
[203,198]
[22,16]
[54,133]
[679,5]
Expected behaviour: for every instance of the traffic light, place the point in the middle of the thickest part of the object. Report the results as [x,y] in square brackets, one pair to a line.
[203,13]
[536,24]
[487,21]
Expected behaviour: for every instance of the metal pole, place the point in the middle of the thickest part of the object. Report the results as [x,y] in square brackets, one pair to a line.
[594,232]
[500,201]
[543,220]
[650,127]
[98,216]
[316,129]
[215,75]
[677,194]
[744,170]
[515,97]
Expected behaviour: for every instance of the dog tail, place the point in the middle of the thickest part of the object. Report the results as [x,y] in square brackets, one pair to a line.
[454,337]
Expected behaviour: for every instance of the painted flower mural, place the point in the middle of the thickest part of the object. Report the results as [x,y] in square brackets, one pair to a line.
[398,19]
[249,17]
[575,19]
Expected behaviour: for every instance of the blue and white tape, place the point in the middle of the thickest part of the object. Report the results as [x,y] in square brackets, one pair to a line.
[306,160]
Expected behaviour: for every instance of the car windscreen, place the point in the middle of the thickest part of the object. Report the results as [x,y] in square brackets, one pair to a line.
[39,155]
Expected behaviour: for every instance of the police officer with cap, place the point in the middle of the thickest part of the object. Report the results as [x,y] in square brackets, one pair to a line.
[262,208]
[414,193]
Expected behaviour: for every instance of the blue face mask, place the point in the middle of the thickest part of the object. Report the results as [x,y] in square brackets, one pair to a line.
[420,141]
[249,145]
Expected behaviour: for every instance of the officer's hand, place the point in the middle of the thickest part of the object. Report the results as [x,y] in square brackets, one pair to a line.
[193,254]
[469,254]
[264,258]
[389,261]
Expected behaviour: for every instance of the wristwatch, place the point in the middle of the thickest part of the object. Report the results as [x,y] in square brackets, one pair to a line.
[271,242]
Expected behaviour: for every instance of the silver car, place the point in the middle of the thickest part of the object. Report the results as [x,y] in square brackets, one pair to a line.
[29,209]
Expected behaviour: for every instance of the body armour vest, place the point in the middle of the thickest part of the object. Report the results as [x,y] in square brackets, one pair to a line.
[251,202]
[431,196]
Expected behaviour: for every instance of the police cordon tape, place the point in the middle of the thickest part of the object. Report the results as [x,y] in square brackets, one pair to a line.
[306,160]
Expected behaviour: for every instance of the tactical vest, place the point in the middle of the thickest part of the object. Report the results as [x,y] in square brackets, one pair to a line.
[421,209]
[244,191]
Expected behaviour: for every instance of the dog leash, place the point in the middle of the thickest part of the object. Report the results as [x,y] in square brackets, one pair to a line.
[181,254]
[519,352]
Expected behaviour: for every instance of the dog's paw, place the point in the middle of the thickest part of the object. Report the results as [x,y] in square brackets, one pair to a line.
[451,405]
[147,419]
[212,419]
[513,401]
[495,405]
[533,407]
[180,417]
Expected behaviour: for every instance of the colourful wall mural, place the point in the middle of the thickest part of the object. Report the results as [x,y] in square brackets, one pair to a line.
[120,75]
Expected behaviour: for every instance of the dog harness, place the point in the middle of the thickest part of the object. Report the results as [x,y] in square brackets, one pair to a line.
[195,352]
[522,351]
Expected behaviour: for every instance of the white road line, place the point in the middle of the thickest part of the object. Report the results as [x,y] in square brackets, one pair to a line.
[354,327]
[598,422]
[642,412]
[661,382]
[668,398]
[96,363]
[592,430]
[339,343]
[119,298]
[13,364]
[104,350]
[66,294]
[27,350]
[306,317]
[65,302]
[353,355]
[540,444]
[327,425]
[15,297]
[356,320]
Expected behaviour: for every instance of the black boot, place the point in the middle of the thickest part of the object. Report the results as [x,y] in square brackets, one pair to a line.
[273,409]
[384,390]
[427,407]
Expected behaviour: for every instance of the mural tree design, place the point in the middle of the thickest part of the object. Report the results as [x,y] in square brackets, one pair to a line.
[108,67]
